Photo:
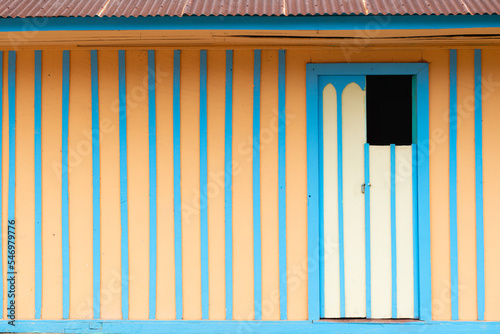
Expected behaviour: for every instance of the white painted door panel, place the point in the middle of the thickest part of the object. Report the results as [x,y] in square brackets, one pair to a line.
[331,200]
[380,231]
[404,231]
[353,140]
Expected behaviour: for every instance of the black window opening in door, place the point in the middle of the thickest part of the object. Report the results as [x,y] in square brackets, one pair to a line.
[389,108]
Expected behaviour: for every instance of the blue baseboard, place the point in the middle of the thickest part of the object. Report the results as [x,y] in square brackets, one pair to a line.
[229,326]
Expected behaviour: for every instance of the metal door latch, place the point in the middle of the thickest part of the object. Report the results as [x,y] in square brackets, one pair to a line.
[363,186]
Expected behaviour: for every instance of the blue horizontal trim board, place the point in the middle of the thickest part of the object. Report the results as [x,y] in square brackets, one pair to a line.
[342,22]
[207,327]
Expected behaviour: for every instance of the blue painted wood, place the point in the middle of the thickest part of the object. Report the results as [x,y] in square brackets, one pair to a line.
[367,234]
[317,22]
[177,184]
[152,183]
[416,284]
[282,181]
[313,198]
[228,176]
[478,139]
[424,219]
[362,69]
[1,185]
[38,182]
[340,89]
[96,187]
[203,187]
[321,203]
[65,185]
[393,234]
[122,91]
[453,186]
[257,245]
[229,327]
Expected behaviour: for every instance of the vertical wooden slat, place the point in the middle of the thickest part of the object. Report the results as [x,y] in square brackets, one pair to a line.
[165,284]
[138,182]
[353,140]
[328,151]
[404,232]
[478,139]
[216,73]
[80,186]
[51,133]
[453,185]
[268,174]
[110,205]
[228,184]
[242,229]
[38,182]
[11,224]
[203,188]
[257,246]
[282,182]
[65,195]
[491,138]
[25,182]
[312,194]
[1,192]
[177,184]
[394,271]
[123,183]
[96,187]
[368,279]
[380,231]
[190,183]
[152,183]
[466,199]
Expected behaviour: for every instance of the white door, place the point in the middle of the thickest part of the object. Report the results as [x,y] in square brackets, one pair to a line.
[367,211]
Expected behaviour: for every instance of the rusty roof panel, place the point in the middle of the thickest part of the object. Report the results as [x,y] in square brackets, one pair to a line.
[128,8]
[235,7]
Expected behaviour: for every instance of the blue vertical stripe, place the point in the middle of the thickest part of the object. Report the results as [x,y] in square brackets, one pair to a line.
[12,148]
[367,234]
[393,234]
[313,199]
[478,136]
[321,204]
[341,200]
[282,182]
[204,187]
[1,184]
[424,219]
[416,284]
[38,182]
[453,186]
[228,175]
[257,245]
[177,184]
[152,182]
[65,194]
[123,181]
[96,185]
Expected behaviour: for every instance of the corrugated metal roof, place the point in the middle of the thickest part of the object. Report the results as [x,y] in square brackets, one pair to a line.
[128,8]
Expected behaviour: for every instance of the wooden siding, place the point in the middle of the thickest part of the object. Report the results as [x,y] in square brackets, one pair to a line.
[80,181]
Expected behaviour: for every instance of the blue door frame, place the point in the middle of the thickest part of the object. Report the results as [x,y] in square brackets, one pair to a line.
[421,73]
